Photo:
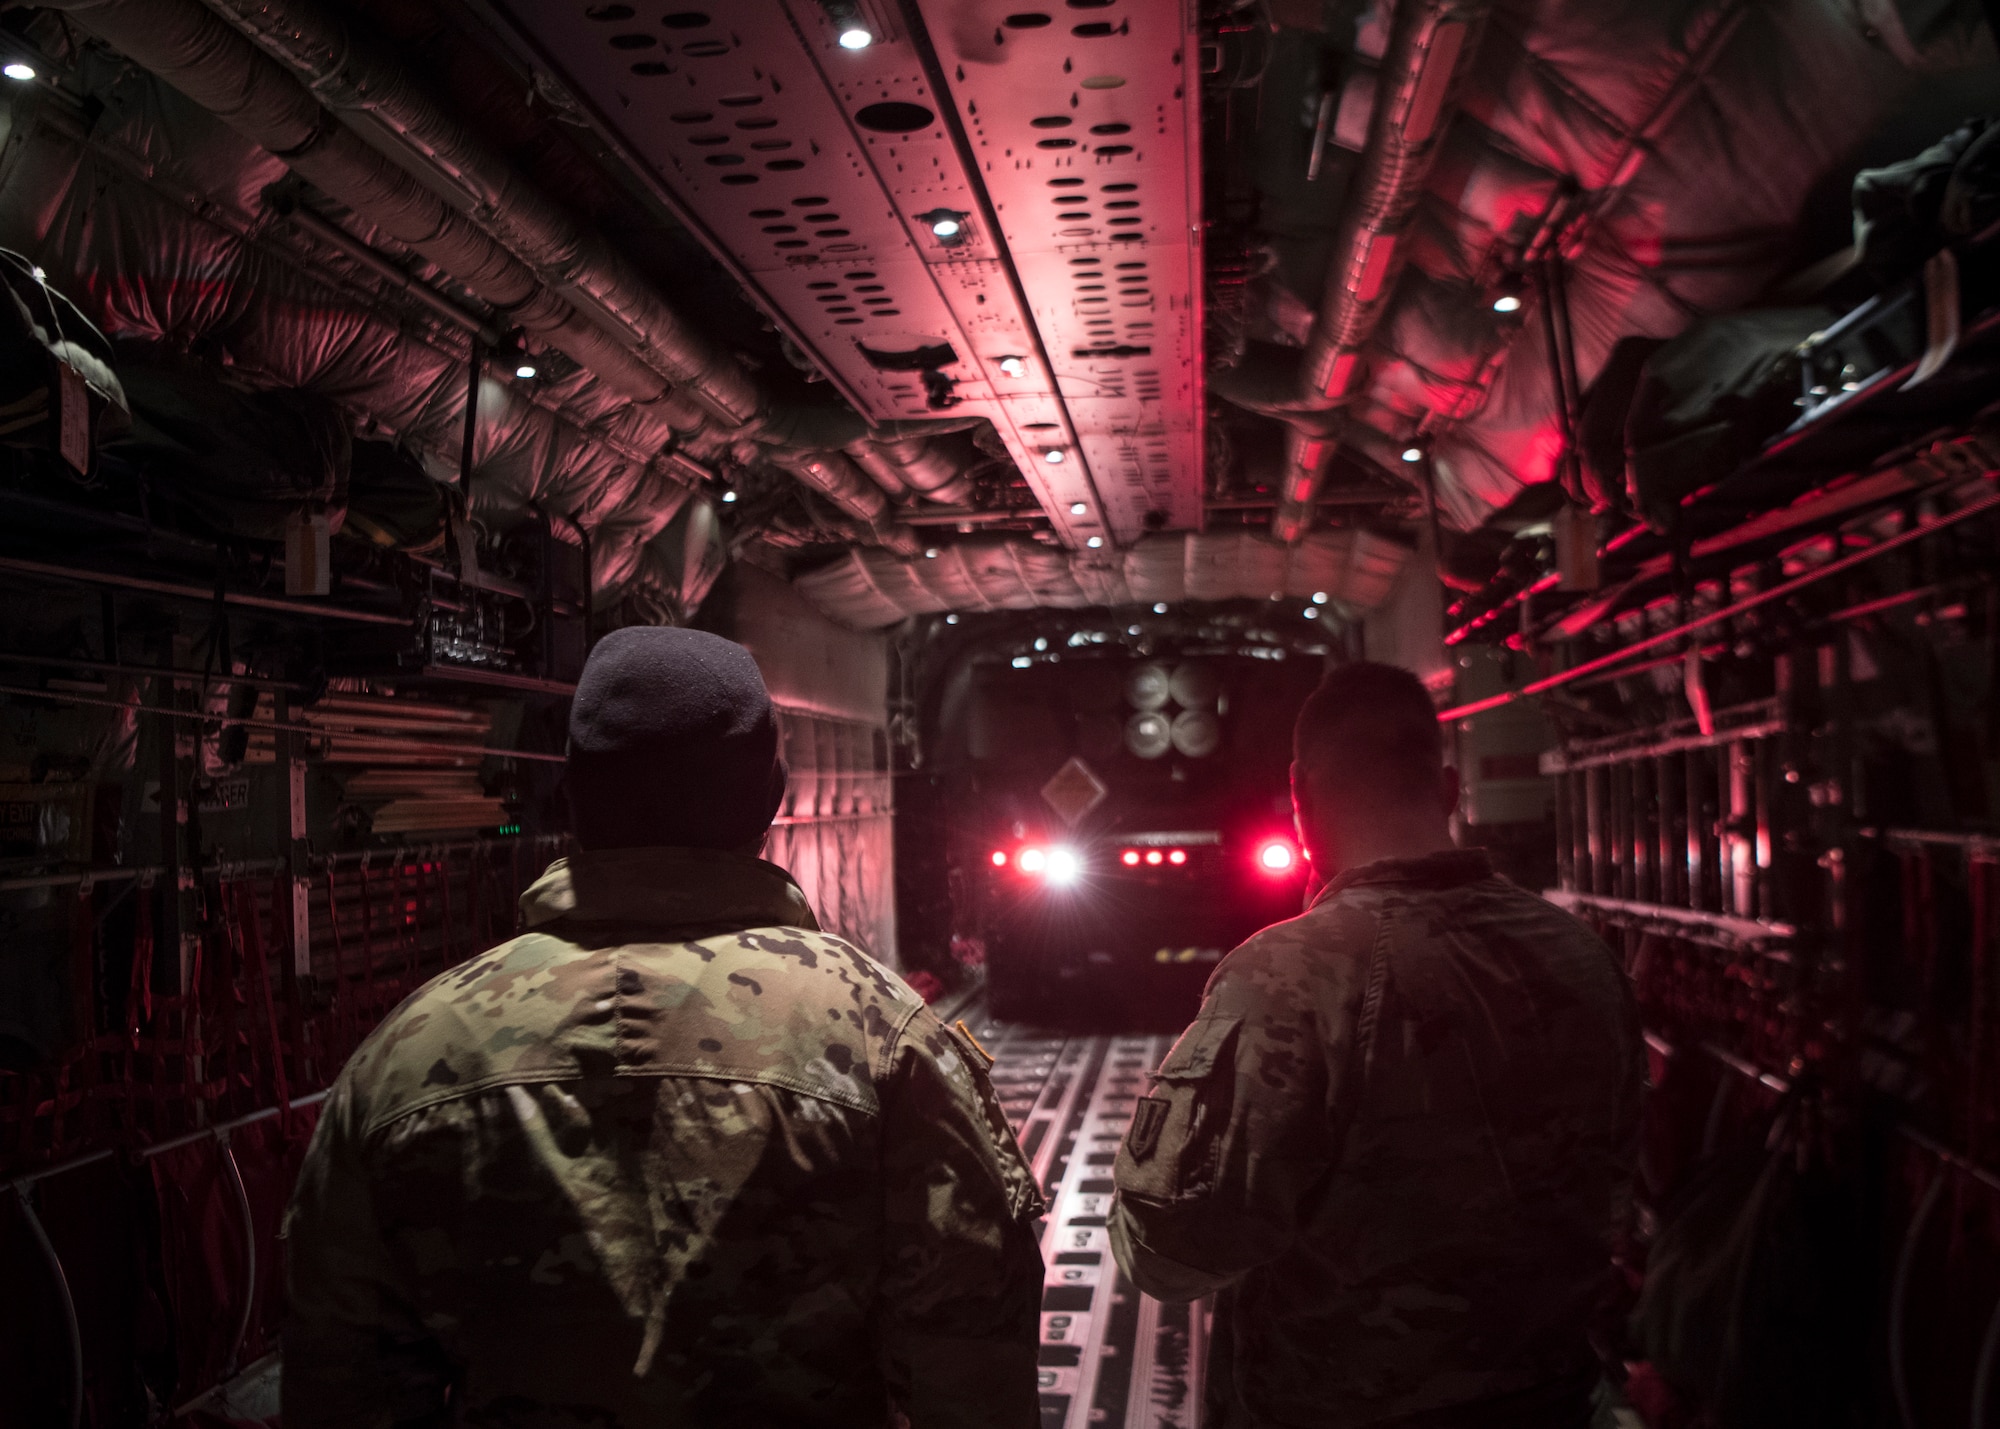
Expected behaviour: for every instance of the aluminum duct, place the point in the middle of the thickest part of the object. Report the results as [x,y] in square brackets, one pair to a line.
[916,464]
[224,73]
[842,483]
[1432,42]
[350,77]
[885,473]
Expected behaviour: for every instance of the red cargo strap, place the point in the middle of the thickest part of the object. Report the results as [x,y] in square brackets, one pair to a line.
[260,977]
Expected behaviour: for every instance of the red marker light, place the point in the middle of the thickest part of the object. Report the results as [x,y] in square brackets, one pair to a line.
[1179,855]
[1153,857]
[1130,858]
[1031,860]
[999,858]
[1277,856]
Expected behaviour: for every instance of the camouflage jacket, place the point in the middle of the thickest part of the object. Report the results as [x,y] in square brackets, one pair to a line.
[1398,1141]
[673,1157]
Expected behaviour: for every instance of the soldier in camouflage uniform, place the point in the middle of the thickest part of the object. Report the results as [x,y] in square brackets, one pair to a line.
[1400,1136]
[674,1156]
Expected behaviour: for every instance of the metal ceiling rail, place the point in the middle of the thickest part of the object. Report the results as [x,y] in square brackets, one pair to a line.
[984,209]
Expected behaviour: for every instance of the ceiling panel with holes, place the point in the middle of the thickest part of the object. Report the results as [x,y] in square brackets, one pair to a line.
[984,211]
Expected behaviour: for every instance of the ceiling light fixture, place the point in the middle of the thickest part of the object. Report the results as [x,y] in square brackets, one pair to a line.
[947,225]
[931,553]
[1507,303]
[1077,508]
[1413,453]
[1013,366]
[18,71]
[1319,597]
[728,497]
[1510,295]
[1094,542]
[526,371]
[1054,456]
[1160,608]
[850,29]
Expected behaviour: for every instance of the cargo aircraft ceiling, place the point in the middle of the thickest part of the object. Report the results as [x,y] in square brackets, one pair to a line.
[951,208]
[1083,303]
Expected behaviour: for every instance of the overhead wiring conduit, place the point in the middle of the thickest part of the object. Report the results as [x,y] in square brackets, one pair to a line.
[217,68]
[352,78]
[286,75]
[1432,43]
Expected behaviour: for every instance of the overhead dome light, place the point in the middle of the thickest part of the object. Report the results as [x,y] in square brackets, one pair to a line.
[947,225]
[727,497]
[931,553]
[850,29]
[1053,456]
[1012,366]
[526,370]
[1319,597]
[1508,299]
[1094,542]
[1077,508]
[1160,608]
[1413,453]
[18,71]
[1507,303]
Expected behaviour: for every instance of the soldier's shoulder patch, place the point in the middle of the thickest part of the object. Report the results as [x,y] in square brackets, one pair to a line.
[1148,1119]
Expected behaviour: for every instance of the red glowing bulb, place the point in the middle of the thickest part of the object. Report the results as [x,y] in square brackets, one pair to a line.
[1277,856]
[1130,858]
[1153,856]
[1179,855]
[999,858]
[1031,860]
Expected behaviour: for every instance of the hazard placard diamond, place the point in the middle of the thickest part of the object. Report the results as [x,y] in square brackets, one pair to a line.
[1074,791]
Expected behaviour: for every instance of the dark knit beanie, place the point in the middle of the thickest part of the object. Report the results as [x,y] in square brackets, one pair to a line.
[672,742]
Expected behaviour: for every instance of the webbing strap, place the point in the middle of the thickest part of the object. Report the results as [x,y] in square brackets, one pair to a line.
[260,976]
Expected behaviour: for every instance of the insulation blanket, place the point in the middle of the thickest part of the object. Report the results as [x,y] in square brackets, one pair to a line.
[156,224]
[870,589]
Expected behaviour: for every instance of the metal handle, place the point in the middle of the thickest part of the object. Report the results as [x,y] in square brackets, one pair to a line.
[67,1301]
[1899,1297]
[249,1255]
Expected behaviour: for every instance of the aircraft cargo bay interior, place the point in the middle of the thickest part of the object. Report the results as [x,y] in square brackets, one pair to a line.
[1000,714]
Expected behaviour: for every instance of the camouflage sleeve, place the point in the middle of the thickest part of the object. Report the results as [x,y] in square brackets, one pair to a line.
[1222,1159]
[356,1355]
[962,1271]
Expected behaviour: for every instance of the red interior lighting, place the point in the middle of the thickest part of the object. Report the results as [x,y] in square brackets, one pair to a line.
[1277,856]
[1178,856]
[1130,858]
[1153,856]
[999,858]
[1031,860]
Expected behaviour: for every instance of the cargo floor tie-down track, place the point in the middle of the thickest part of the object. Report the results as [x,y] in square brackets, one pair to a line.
[1110,1356]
